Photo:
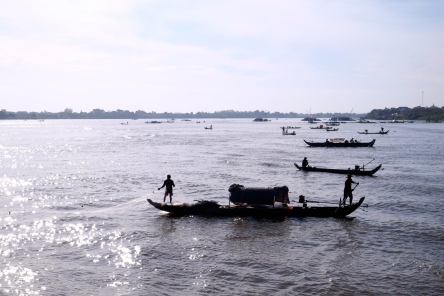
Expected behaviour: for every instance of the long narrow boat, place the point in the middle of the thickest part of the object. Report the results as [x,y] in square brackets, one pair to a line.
[358,172]
[378,133]
[341,144]
[258,202]
[211,208]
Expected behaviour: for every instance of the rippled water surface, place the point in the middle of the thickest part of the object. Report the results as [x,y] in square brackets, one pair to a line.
[75,221]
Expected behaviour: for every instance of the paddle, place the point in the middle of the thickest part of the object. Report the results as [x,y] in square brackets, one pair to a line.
[343,201]
[355,187]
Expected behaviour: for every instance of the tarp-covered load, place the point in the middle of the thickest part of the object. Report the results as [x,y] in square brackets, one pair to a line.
[258,195]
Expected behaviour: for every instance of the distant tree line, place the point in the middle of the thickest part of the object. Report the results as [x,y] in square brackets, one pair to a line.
[125,114]
[404,113]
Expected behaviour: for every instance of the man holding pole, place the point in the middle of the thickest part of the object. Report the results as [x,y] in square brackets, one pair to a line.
[348,191]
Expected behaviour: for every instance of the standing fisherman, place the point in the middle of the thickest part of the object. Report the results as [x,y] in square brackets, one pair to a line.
[168,184]
[348,189]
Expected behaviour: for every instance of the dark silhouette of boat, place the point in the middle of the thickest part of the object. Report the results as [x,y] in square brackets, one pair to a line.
[258,202]
[344,143]
[356,171]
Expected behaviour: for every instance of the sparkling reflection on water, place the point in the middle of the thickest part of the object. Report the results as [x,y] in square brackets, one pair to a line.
[75,220]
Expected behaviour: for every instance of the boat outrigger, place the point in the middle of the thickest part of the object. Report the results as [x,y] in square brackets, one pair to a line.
[258,202]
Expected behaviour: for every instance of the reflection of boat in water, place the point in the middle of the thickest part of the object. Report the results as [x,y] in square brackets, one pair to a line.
[356,171]
[258,202]
[340,142]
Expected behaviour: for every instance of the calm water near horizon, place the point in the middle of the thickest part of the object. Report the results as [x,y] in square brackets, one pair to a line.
[75,221]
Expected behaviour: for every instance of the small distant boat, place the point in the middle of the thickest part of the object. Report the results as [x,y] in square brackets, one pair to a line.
[321,126]
[289,134]
[261,119]
[340,143]
[123,123]
[310,119]
[185,120]
[293,127]
[286,133]
[377,133]
[332,124]
[154,121]
[397,121]
[330,129]
[210,128]
[364,121]
[356,171]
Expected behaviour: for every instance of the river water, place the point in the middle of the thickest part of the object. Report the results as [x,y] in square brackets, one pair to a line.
[75,221]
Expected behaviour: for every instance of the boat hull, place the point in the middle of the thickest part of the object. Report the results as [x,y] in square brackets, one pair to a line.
[338,171]
[250,211]
[332,144]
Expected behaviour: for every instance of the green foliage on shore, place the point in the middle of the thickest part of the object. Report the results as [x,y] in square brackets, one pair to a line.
[125,114]
[403,113]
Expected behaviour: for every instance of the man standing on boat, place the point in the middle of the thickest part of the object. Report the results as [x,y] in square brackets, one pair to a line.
[348,191]
[305,162]
[168,184]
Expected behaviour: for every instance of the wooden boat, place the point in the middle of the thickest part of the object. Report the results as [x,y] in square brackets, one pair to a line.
[258,202]
[356,171]
[210,208]
[329,129]
[341,144]
[285,132]
[378,133]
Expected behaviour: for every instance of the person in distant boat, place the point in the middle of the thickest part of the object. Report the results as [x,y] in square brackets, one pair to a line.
[366,131]
[305,163]
[382,129]
[348,191]
[168,184]
[327,141]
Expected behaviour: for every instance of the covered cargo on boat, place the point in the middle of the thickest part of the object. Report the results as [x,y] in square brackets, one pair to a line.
[240,194]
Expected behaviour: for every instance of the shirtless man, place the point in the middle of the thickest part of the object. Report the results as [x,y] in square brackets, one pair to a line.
[168,184]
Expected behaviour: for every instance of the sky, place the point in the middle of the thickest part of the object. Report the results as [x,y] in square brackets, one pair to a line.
[213,55]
